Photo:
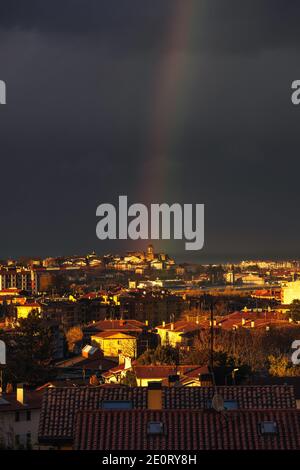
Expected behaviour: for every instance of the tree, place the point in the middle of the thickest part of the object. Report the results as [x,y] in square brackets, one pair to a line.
[29,351]
[281,366]
[249,349]
[74,335]
[129,379]
[294,311]
[160,356]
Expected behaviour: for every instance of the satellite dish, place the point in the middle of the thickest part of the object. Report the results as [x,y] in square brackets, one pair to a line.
[2,353]
[218,402]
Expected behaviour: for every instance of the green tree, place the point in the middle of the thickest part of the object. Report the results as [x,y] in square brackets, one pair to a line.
[29,351]
[294,311]
[129,379]
[280,366]
[160,356]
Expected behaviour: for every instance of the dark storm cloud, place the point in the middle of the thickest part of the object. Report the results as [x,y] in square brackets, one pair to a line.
[82,78]
[240,26]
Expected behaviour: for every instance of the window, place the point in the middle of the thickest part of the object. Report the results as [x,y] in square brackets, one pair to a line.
[28,415]
[268,427]
[17,440]
[117,405]
[155,428]
[228,404]
[17,416]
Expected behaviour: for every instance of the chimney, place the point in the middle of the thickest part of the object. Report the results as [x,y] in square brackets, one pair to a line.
[21,394]
[252,324]
[243,321]
[154,396]
[172,326]
[127,363]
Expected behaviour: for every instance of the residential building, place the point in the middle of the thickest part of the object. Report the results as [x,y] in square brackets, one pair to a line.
[89,362]
[178,334]
[19,418]
[24,310]
[171,375]
[114,344]
[290,291]
[61,406]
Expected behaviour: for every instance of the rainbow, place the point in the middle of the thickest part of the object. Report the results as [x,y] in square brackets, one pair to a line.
[165,113]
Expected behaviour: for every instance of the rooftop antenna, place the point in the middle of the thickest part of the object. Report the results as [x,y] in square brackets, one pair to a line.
[217,401]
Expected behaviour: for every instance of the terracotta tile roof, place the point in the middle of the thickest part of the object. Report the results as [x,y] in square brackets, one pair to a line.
[261,320]
[186,430]
[61,404]
[114,371]
[80,362]
[119,325]
[181,326]
[247,397]
[161,372]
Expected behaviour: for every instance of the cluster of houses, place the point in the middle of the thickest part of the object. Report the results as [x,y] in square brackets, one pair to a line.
[91,406]
[154,417]
[110,348]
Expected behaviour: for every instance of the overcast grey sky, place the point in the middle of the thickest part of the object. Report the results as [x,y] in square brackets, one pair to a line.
[86,92]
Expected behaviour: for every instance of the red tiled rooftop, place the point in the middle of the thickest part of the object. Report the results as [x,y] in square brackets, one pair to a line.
[260,319]
[119,325]
[80,362]
[186,430]
[160,372]
[181,326]
[60,405]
